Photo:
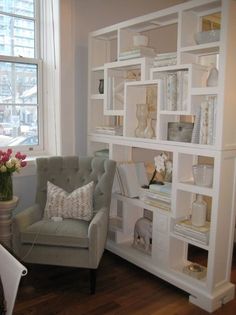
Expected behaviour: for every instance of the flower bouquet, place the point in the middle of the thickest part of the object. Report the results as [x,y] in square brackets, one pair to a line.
[8,165]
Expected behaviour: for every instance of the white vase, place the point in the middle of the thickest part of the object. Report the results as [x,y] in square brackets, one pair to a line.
[199,208]
[141,114]
[212,79]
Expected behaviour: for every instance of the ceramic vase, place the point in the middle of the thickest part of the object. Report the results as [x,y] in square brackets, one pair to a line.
[199,208]
[101,86]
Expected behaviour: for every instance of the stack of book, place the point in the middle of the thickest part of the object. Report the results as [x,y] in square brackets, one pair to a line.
[137,53]
[157,195]
[110,130]
[199,234]
[166,59]
[204,124]
[175,87]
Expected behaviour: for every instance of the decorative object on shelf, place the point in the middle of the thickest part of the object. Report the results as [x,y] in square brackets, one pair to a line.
[199,208]
[163,170]
[180,131]
[140,40]
[149,132]
[195,270]
[101,86]
[203,174]
[212,79]
[143,234]
[207,37]
[9,165]
[141,114]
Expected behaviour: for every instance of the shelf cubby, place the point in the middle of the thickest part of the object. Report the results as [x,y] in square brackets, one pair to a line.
[103,48]
[142,92]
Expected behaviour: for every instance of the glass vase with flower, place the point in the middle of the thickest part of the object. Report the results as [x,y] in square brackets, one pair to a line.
[8,165]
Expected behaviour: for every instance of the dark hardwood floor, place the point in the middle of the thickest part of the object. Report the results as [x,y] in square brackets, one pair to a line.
[122,289]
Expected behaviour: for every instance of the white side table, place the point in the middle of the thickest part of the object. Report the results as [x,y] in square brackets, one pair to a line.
[6,208]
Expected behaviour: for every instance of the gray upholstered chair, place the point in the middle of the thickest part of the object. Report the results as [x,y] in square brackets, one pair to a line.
[71,242]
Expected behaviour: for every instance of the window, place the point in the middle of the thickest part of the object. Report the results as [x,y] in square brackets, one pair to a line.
[20,73]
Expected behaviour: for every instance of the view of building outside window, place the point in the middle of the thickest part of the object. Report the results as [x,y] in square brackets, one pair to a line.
[19,72]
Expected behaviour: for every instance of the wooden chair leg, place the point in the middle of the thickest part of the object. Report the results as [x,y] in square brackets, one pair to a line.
[93,275]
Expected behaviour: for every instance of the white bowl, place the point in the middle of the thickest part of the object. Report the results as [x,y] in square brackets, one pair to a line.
[203,175]
[140,40]
[207,37]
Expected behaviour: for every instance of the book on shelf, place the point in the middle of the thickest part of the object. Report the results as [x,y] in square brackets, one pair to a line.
[131,176]
[110,130]
[137,53]
[157,203]
[204,124]
[164,189]
[165,59]
[157,195]
[199,234]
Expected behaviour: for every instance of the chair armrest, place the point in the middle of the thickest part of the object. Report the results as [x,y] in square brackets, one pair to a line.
[20,221]
[27,217]
[97,234]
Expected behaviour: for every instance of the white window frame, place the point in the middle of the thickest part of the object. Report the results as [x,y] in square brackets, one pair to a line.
[29,149]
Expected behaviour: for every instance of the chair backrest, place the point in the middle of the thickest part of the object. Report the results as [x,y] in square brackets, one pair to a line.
[71,172]
[11,271]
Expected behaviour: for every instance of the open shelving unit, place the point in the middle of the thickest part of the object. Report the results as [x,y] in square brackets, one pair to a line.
[138,80]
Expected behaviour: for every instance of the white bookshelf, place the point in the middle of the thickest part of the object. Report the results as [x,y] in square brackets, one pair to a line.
[132,81]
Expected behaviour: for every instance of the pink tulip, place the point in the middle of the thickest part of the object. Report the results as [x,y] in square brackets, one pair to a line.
[23,163]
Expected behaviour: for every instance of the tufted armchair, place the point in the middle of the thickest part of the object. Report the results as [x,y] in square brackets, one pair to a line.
[71,242]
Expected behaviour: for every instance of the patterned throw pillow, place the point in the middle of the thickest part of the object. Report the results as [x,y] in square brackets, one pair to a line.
[77,205]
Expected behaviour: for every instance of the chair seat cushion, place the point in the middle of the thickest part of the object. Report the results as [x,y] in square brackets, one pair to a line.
[67,233]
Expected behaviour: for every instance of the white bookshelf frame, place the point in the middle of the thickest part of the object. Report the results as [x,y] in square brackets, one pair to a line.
[169,251]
